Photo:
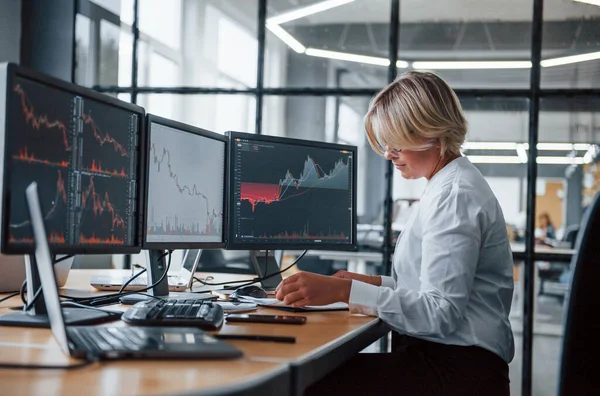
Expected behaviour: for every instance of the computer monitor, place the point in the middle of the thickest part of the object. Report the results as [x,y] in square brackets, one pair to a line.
[291,194]
[186,170]
[83,149]
[185,187]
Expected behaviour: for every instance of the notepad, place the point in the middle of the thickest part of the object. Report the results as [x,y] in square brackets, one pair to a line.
[276,304]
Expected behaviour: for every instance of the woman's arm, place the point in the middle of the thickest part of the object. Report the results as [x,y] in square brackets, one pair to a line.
[370,279]
[450,252]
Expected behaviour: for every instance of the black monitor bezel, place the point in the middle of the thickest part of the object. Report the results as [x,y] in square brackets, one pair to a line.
[152,118]
[233,245]
[12,71]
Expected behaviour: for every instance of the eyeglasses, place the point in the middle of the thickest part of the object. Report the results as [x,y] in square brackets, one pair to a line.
[395,152]
[392,151]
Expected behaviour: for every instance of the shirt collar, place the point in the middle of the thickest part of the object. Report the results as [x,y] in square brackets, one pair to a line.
[447,169]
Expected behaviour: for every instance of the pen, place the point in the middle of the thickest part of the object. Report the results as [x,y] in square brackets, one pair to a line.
[255,337]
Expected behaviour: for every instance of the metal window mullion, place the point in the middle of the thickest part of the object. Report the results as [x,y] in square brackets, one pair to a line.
[262,20]
[389,176]
[134,53]
[534,104]
[389,169]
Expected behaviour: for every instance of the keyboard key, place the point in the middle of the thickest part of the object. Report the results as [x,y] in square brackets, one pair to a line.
[112,340]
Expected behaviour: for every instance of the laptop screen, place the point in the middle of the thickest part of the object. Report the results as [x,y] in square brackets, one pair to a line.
[190,263]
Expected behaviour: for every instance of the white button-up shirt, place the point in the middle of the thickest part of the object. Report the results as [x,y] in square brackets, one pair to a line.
[452,276]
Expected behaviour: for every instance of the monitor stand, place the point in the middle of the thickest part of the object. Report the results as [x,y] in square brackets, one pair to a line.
[156,267]
[265,265]
[37,315]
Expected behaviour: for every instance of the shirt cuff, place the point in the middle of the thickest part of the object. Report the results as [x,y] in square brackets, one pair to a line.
[363,298]
[388,281]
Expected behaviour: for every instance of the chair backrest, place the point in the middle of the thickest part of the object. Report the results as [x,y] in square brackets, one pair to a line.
[571,234]
[582,303]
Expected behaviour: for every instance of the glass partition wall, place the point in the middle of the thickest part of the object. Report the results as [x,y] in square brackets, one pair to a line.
[526,71]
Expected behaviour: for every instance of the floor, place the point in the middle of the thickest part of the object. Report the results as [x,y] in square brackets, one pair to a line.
[547,343]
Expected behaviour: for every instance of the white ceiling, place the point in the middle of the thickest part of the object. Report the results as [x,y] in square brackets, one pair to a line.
[412,11]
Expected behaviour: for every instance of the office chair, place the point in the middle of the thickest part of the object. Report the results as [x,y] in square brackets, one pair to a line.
[556,270]
[581,323]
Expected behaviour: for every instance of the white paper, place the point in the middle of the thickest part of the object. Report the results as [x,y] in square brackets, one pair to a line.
[276,303]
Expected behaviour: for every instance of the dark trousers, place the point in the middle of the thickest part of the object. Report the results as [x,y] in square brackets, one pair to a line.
[418,367]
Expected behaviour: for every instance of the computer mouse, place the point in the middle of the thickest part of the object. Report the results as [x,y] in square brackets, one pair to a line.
[248,291]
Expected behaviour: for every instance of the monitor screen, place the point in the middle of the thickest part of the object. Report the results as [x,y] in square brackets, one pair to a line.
[82,149]
[289,193]
[185,186]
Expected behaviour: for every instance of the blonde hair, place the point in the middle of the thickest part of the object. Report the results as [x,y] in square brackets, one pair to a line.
[415,112]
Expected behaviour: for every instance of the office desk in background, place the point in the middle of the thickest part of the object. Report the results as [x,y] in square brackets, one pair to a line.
[358,261]
[327,340]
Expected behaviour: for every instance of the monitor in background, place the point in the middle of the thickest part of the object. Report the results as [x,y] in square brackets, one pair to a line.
[290,194]
[82,148]
[185,193]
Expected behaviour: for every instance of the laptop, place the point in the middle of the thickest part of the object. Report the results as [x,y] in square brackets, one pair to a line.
[177,283]
[114,342]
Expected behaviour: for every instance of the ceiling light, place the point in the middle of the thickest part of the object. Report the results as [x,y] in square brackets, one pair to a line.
[506,159]
[593,2]
[348,57]
[494,159]
[306,11]
[562,146]
[438,65]
[401,64]
[522,153]
[489,146]
[565,60]
[286,38]
[560,160]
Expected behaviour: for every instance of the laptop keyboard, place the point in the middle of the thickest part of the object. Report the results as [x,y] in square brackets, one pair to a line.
[108,338]
[172,312]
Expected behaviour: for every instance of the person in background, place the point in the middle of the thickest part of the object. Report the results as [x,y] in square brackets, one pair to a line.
[546,226]
[449,295]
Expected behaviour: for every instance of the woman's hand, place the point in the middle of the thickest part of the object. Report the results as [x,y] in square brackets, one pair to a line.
[306,288]
[371,279]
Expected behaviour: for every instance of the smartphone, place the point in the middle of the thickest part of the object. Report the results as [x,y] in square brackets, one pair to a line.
[283,319]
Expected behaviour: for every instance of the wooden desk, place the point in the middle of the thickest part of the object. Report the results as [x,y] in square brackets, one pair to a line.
[324,342]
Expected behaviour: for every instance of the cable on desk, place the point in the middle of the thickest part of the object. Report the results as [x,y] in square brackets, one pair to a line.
[27,307]
[254,280]
[47,367]
[74,304]
[286,268]
[68,256]
[9,297]
[115,296]
[22,291]
[131,280]
[37,294]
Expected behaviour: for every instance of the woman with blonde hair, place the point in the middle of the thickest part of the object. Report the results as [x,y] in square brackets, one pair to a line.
[450,292]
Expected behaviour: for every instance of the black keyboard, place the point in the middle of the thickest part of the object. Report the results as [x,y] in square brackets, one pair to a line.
[171,312]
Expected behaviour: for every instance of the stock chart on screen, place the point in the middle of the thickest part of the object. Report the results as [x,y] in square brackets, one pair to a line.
[291,194]
[186,187]
[83,155]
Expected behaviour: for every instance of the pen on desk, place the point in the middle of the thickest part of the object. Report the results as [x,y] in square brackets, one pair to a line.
[255,337]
